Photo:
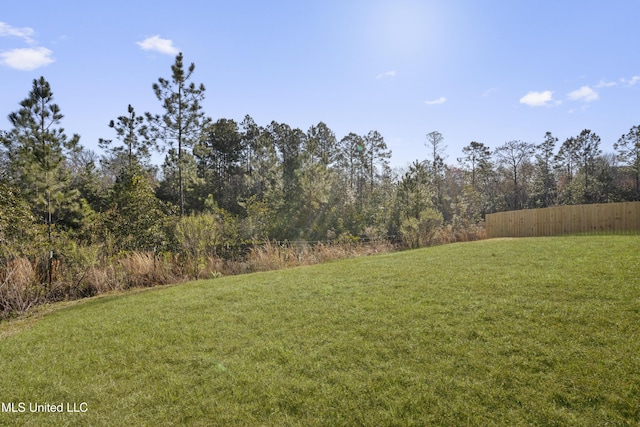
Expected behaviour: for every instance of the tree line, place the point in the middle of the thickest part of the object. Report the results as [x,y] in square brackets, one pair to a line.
[224,184]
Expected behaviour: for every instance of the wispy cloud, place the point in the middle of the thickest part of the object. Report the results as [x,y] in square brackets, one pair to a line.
[24,33]
[157,44]
[438,101]
[27,59]
[602,84]
[621,82]
[387,75]
[489,92]
[630,82]
[584,94]
[537,99]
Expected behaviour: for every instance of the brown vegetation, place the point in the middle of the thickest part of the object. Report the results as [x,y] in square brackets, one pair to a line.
[23,280]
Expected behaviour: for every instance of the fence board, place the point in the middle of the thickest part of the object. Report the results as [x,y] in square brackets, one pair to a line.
[572,219]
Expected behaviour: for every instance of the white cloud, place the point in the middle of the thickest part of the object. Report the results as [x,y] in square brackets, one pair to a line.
[157,44]
[585,94]
[632,81]
[602,83]
[25,33]
[537,99]
[622,81]
[438,101]
[387,75]
[27,59]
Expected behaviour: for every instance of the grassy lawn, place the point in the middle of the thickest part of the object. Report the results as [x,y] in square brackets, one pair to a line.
[507,332]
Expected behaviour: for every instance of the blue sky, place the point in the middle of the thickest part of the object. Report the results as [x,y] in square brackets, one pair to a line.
[474,70]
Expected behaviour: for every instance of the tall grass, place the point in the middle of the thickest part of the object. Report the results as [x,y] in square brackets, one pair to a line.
[85,271]
[276,256]
[23,280]
[17,293]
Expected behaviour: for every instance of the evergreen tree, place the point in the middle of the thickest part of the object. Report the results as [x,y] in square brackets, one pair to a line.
[476,155]
[565,161]
[132,131]
[437,167]
[250,142]
[628,148]
[263,176]
[436,150]
[88,179]
[605,187]
[36,148]
[479,194]
[168,189]
[544,176]
[321,144]
[587,149]
[17,224]
[182,123]
[351,159]
[415,214]
[319,191]
[135,219]
[376,153]
[218,156]
[289,143]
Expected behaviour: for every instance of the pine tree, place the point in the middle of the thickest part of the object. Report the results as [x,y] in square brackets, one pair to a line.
[181,126]
[321,144]
[36,149]
[628,148]
[477,195]
[544,169]
[351,159]
[135,219]
[476,155]
[587,151]
[376,152]
[437,167]
[133,133]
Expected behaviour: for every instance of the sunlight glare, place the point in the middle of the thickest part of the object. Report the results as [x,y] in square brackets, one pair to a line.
[403,28]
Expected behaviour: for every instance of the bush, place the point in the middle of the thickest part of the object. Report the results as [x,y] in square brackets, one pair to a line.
[418,232]
[19,288]
[198,236]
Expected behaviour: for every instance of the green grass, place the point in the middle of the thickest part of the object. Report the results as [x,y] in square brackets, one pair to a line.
[507,332]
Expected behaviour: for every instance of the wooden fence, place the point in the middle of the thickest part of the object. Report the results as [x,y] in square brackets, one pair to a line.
[572,219]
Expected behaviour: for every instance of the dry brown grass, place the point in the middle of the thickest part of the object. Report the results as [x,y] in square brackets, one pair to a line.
[143,269]
[275,255]
[461,233]
[17,291]
[23,280]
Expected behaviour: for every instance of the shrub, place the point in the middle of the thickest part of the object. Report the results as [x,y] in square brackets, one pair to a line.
[421,231]
[19,288]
